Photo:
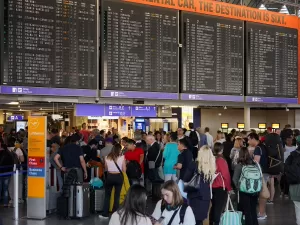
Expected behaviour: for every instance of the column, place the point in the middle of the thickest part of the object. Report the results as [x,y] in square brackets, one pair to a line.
[247,118]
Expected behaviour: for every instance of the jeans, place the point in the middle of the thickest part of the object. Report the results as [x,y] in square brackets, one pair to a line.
[297,211]
[247,205]
[59,179]
[4,182]
[217,205]
[116,181]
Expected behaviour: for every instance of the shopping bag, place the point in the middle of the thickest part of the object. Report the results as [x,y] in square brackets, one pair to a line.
[181,187]
[231,217]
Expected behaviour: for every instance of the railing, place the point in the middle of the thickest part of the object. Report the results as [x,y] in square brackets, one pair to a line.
[15,175]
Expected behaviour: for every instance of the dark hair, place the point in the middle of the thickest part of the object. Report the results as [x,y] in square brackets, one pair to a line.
[54,131]
[296,132]
[184,142]
[164,132]
[84,124]
[67,140]
[233,131]
[253,136]
[244,156]
[102,132]
[11,142]
[115,152]
[130,142]
[134,205]
[125,139]
[228,137]
[206,129]
[218,147]
[155,134]
[191,125]
[184,130]
[288,126]
[173,136]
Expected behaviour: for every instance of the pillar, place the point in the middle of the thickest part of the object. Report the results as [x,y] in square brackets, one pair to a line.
[247,118]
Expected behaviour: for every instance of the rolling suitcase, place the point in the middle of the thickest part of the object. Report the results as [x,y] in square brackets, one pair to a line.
[97,200]
[79,201]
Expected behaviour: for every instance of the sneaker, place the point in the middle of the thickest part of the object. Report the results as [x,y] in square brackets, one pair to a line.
[259,217]
[270,202]
[286,196]
[103,217]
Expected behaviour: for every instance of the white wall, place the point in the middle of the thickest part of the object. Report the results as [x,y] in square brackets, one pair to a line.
[211,119]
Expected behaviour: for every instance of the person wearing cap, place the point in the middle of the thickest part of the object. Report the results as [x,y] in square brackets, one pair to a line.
[107,149]
[72,158]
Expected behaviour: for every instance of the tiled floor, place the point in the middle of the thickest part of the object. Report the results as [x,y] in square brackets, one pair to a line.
[281,213]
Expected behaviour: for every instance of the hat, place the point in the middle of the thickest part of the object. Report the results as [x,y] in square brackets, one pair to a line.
[93,142]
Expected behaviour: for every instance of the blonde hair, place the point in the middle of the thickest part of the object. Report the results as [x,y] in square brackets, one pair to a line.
[206,163]
[237,142]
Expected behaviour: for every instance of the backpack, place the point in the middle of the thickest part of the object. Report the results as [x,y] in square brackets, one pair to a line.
[274,154]
[133,170]
[194,138]
[251,179]
[181,211]
[292,168]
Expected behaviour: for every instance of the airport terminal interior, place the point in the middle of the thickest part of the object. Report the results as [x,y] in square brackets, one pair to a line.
[155,87]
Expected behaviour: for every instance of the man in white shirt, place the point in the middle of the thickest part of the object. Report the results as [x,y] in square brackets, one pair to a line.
[210,139]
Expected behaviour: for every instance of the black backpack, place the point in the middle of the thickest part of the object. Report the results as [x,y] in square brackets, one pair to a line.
[292,168]
[181,212]
[134,170]
[275,154]
[194,138]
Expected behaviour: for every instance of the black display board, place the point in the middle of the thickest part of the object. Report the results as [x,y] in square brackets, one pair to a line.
[272,61]
[140,48]
[49,43]
[212,55]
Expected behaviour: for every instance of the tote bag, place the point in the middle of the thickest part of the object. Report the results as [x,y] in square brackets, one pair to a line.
[231,217]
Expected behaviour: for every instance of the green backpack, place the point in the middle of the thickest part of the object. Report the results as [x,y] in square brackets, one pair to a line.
[251,179]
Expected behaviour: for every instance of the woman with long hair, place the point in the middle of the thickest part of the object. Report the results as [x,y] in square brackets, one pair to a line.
[205,165]
[247,202]
[133,210]
[114,165]
[234,154]
[171,209]
[159,139]
[220,186]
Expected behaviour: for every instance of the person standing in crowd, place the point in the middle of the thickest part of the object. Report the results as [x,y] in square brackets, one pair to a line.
[296,133]
[227,147]
[55,138]
[210,139]
[194,139]
[260,156]
[289,148]
[220,186]
[245,138]
[133,210]
[199,200]
[101,143]
[185,158]
[139,142]
[180,133]
[233,132]
[135,154]
[203,138]
[85,133]
[114,165]
[6,166]
[72,158]
[220,137]
[170,156]
[107,149]
[115,135]
[234,154]
[292,171]
[159,140]
[247,202]
[54,151]
[172,206]
[124,144]
[287,132]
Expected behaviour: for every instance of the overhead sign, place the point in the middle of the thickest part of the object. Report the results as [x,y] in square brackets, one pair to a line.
[15,117]
[143,111]
[164,111]
[89,110]
[117,110]
[225,10]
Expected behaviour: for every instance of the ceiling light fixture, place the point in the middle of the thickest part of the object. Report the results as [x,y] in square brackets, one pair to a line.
[13,103]
[225,107]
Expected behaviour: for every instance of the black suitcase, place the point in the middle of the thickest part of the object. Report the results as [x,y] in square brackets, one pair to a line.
[97,200]
[62,207]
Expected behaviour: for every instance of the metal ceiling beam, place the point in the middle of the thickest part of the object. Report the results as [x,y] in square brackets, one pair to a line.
[285,3]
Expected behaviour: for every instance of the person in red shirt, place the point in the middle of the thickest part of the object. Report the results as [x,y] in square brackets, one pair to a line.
[135,154]
[85,133]
[220,186]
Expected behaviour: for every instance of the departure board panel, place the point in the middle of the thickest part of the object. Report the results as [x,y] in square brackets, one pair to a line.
[212,55]
[50,43]
[140,48]
[272,56]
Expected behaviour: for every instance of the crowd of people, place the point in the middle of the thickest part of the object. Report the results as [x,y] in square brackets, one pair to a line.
[244,166]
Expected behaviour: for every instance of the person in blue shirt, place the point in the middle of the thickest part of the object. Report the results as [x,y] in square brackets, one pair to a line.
[170,156]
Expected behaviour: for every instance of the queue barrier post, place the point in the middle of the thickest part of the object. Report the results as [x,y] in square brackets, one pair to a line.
[16,193]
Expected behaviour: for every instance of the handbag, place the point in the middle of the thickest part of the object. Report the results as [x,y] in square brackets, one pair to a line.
[151,164]
[231,217]
[194,184]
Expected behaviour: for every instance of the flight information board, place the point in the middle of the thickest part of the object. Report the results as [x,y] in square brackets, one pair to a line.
[140,48]
[272,56]
[50,43]
[212,55]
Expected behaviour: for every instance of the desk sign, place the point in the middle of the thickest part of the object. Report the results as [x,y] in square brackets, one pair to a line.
[37,135]
[275,125]
[241,126]
[224,125]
